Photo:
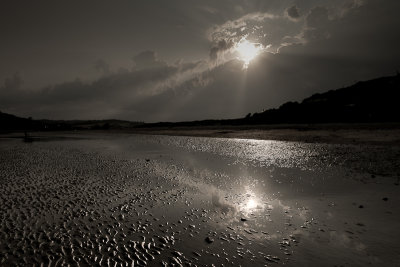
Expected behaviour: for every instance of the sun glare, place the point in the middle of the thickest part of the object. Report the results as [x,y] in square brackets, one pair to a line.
[247,51]
[251,204]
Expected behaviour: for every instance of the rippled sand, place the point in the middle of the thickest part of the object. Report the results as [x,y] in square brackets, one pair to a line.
[125,200]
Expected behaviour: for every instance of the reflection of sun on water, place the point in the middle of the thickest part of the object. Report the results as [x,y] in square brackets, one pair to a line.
[247,51]
[251,204]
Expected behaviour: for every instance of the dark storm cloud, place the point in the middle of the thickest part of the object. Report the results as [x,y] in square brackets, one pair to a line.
[50,42]
[329,45]
[316,24]
[293,12]
[102,67]
[106,97]
[147,59]
[14,82]
[331,56]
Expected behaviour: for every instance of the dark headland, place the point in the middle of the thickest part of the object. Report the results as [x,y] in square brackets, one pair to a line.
[368,111]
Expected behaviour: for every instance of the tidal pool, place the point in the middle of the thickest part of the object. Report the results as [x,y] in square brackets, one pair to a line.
[135,200]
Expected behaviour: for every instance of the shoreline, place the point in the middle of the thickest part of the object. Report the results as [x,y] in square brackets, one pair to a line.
[387,134]
[368,133]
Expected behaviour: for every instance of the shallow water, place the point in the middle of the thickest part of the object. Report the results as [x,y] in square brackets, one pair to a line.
[153,200]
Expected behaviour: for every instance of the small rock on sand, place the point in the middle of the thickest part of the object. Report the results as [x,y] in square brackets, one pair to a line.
[209,240]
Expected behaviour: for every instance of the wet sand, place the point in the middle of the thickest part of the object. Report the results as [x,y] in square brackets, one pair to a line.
[367,133]
[123,199]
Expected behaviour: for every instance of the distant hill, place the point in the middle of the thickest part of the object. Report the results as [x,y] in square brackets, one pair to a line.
[372,101]
[369,101]
[10,123]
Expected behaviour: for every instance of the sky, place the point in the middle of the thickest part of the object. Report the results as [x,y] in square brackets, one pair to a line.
[180,60]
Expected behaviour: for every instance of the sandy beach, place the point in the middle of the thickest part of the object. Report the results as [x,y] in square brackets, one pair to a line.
[121,199]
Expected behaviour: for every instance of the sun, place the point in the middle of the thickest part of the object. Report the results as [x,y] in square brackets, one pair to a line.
[247,51]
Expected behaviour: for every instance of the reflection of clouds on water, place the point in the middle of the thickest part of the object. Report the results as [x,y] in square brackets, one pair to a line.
[235,201]
[221,204]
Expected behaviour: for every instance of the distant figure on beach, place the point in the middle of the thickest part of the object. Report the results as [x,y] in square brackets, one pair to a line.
[27,138]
